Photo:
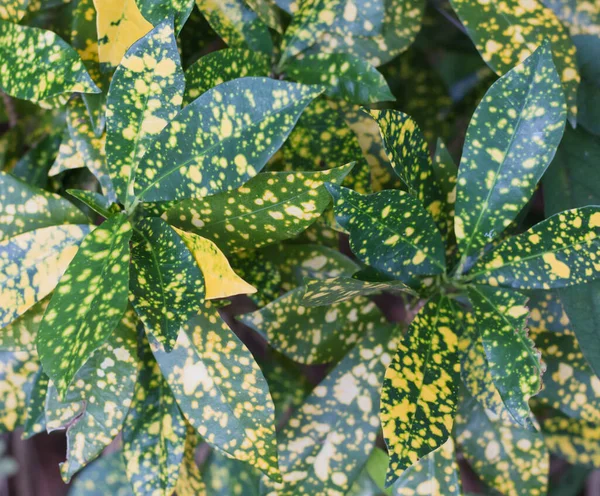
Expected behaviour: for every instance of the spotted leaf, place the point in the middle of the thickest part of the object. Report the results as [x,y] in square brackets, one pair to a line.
[221,391]
[68,157]
[579,17]
[227,477]
[329,291]
[549,255]
[241,122]
[409,155]
[514,362]
[390,231]
[511,139]
[166,283]
[446,176]
[221,66]
[510,459]
[32,263]
[95,405]
[269,13]
[20,334]
[88,302]
[120,24]
[104,475]
[156,11]
[145,94]
[14,10]
[506,34]
[39,66]
[345,76]
[154,432]
[577,441]
[190,482]
[220,279]
[17,374]
[313,335]
[237,24]
[35,418]
[97,202]
[327,441]
[419,393]
[24,208]
[271,207]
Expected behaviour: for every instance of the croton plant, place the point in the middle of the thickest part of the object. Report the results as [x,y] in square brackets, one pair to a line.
[303,247]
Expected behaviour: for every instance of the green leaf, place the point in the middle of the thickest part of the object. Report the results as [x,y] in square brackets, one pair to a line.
[37,65]
[154,431]
[511,139]
[547,314]
[20,335]
[68,157]
[327,441]
[334,290]
[436,473]
[268,12]
[345,77]
[221,391]
[24,208]
[237,24]
[95,405]
[105,475]
[33,167]
[258,271]
[271,207]
[409,155]
[17,376]
[145,94]
[97,202]
[446,177]
[88,302]
[35,419]
[313,335]
[514,362]
[391,232]
[220,66]
[576,441]
[508,458]
[376,467]
[14,10]
[156,11]
[579,17]
[241,122]
[588,93]
[549,255]
[506,34]
[226,477]
[190,481]
[419,393]
[166,284]
[32,263]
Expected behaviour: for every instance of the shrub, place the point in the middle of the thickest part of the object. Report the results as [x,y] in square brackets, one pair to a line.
[271,251]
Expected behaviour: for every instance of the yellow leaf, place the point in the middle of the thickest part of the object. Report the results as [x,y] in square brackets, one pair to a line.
[220,279]
[120,25]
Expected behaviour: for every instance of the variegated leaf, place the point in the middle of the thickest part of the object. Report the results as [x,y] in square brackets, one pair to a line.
[106,474]
[156,11]
[17,375]
[577,441]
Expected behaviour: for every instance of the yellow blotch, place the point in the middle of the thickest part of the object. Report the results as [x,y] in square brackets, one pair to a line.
[570,74]
[392,240]
[595,220]
[219,278]
[517,311]
[497,155]
[534,238]
[557,267]
[153,125]
[419,257]
[459,228]
[165,68]
[226,127]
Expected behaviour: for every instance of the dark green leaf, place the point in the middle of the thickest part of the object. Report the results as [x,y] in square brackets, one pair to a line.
[577,441]
[157,11]
[97,202]
[105,475]
[17,375]
[35,419]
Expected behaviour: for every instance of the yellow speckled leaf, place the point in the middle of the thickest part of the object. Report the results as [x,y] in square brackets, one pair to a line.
[577,441]
[13,10]
[120,25]
[190,481]
[17,374]
[219,278]
[31,265]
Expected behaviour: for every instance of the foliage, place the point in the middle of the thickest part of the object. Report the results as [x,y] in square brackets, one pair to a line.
[240,228]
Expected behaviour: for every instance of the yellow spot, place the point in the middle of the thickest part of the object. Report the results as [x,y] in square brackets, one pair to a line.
[595,220]
[557,267]
[385,211]
[165,68]
[570,74]
[459,228]
[497,155]
[517,311]
[226,127]
[419,257]
[392,240]
[534,238]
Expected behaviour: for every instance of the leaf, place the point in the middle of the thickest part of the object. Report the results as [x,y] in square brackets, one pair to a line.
[242,122]
[576,441]
[156,11]
[154,432]
[17,376]
[20,335]
[313,335]
[220,66]
[120,25]
[97,202]
[24,208]
[547,314]
[35,418]
[546,256]
[237,24]
[588,93]
[68,157]
[33,167]
[506,34]
[95,405]
[145,94]
[345,76]
[190,481]
[271,207]
[220,279]
[88,302]
[419,393]
[580,18]
[254,268]
[334,290]
[446,176]
[437,472]
[513,134]
[268,13]
[106,474]
[166,283]
[227,477]
[391,232]
[515,365]
[84,39]
[327,441]
[38,66]
[32,263]
[13,10]
[221,391]
[409,155]
[510,459]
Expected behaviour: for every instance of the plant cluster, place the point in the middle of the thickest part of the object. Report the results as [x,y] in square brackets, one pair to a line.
[300,247]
